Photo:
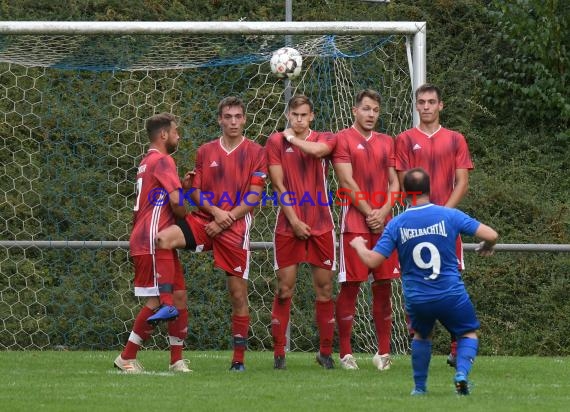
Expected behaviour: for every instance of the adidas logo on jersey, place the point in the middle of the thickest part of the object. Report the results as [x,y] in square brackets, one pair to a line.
[396,270]
[289,150]
[327,262]
[360,147]
[416,147]
[214,164]
[238,269]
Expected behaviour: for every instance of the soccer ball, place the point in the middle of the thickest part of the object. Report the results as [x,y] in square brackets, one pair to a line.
[286,63]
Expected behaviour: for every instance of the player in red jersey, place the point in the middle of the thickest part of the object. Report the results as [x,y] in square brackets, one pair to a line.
[443,154]
[304,230]
[229,178]
[360,145]
[158,274]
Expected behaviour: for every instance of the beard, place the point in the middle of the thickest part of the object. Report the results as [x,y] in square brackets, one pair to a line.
[171,148]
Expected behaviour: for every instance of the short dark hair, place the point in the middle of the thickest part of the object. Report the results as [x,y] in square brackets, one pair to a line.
[417,180]
[230,101]
[157,123]
[299,100]
[371,94]
[429,88]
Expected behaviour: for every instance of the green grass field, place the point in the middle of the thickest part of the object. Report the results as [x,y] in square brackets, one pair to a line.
[73,381]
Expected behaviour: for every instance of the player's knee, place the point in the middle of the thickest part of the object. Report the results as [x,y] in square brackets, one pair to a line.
[323,291]
[162,241]
[285,291]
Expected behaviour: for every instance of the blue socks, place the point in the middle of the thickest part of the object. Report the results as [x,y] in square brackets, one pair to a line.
[466,353]
[421,356]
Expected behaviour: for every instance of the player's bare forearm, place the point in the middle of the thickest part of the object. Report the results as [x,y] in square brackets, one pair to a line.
[317,149]
[350,188]
[248,203]
[369,257]
[489,237]
[222,217]
[460,189]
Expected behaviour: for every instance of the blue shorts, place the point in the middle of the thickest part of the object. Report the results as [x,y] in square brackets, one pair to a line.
[456,313]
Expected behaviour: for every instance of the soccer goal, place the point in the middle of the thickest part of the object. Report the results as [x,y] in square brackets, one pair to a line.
[74,97]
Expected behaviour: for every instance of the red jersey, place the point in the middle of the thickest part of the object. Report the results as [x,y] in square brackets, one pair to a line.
[156,177]
[224,177]
[305,177]
[370,159]
[440,155]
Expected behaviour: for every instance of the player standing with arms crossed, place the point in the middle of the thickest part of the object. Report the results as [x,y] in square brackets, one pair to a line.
[158,274]
[425,237]
[364,163]
[304,230]
[443,154]
[229,178]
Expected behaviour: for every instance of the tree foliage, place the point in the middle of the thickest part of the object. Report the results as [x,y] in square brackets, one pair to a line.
[528,72]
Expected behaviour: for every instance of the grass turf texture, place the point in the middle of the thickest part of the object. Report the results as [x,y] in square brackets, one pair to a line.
[72,381]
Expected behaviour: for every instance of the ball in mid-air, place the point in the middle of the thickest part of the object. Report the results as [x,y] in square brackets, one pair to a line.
[286,63]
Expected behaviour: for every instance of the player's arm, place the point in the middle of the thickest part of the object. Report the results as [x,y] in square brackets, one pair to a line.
[223,218]
[250,200]
[350,188]
[317,149]
[369,257]
[286,201]
[376,219]
[489,237]
[460,189]
[176,201]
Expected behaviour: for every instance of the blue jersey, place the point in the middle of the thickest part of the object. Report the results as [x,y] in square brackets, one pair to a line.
[425,238]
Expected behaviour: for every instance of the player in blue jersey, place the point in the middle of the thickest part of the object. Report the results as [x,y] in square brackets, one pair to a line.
[424,236]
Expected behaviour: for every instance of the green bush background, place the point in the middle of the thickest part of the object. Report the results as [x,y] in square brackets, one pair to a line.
[503,68]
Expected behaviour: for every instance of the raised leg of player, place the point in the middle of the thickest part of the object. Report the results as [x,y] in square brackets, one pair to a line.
[170,238]
[345,309]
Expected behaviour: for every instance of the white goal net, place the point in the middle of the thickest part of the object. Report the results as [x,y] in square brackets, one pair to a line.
[73,103]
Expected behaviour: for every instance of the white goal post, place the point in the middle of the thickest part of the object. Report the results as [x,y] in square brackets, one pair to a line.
[73,100]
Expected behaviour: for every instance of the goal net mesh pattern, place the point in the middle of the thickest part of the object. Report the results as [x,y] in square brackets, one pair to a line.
[72,114]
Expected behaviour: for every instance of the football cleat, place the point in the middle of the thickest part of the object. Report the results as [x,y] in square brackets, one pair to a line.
[451,360]
[382,362]
[237,367]
[418,392]
[348,362]
[326,361]
[279,362]
[180,366]
[163,314]
[461,384]
[128,365]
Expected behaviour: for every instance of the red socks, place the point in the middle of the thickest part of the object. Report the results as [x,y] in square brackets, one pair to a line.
[177,332]
[325,322]
[141,332]
[382,315]
[345,309]
[240,327]
[280,315]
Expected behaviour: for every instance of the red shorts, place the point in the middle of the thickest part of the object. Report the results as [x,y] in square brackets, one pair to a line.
[319,251]
[147,268]
[230,248]
[353,270]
